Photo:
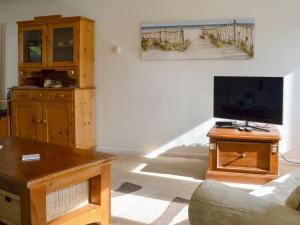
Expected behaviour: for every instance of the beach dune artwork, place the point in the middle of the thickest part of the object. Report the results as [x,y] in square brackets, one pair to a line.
[216,39]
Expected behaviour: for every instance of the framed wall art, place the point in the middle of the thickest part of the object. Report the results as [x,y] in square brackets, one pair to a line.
[216,39]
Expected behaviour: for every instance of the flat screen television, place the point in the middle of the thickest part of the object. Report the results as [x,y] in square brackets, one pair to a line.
[257,99]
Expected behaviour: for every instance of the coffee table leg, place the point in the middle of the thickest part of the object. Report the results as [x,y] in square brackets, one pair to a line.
[38,205]
[100,193]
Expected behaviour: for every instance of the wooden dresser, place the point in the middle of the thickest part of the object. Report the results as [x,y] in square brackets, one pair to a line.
[60,116]
[240,156]
[55,98]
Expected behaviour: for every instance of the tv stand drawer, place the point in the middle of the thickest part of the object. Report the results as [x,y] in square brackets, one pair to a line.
[249,157]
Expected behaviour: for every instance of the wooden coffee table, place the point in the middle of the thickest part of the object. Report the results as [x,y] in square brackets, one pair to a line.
[59,167]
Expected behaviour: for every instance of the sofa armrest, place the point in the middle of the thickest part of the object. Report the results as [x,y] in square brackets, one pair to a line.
[214,203]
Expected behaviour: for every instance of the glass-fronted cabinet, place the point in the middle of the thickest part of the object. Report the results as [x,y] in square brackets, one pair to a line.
[32,44]
[62,50]
[56,48]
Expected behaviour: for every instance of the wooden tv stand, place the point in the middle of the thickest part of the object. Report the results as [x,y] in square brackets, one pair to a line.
[243,157]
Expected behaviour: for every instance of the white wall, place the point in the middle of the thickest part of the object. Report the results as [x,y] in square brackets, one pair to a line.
[142,105]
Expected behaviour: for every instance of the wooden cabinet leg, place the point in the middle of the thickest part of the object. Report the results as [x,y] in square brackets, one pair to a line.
[100,193]
[38,205]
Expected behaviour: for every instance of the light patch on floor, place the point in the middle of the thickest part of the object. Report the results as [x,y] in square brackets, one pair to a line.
[163,179]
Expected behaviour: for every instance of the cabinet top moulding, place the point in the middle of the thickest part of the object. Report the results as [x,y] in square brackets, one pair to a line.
[38,20]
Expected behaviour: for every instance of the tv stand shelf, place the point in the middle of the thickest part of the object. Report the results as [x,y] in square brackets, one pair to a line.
[240,156]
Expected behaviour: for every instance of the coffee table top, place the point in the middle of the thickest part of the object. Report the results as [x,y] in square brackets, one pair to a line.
[55,159]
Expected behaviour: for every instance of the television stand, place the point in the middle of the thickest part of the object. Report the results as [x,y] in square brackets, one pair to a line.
[243,157]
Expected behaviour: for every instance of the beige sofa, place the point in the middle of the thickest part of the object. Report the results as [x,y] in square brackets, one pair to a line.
[214,203]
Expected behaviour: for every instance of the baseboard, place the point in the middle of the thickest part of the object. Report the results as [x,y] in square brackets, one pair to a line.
[284,162]
[120,150]
[200,155]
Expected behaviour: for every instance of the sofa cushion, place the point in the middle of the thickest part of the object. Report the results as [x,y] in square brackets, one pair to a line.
[279,190]
[293,201]
[214,203]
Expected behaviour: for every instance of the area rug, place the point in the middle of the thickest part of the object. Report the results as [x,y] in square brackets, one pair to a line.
[134,204]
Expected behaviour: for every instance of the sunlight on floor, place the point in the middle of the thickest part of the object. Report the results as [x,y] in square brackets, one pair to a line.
[196,135]
[138,208]
[283,178]
[180,217]
[145,210]
[139,168]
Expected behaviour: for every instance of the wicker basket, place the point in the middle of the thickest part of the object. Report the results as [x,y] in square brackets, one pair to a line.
[66,200]
[58,203]
[10,208]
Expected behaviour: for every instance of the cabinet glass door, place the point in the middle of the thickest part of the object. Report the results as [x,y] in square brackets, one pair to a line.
[62,46]
[32,44]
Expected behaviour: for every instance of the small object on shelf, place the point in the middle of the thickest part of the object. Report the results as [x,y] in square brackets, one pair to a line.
[31,157]
[35,53]
[57,84]
[3,112]
[48,83]
[225,123]
[248,129]
[1,147]
[60,44]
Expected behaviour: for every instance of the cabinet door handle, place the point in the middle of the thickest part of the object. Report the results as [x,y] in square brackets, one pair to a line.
[243,155]
[41,95]
[39,120]
[62,95]
[44,121]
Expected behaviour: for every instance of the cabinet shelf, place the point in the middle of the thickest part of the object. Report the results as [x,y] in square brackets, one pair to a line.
[63,47]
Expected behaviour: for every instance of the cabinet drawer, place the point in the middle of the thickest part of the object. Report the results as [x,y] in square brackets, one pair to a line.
[41,95]
[62,95]
[243,156]
[21,94]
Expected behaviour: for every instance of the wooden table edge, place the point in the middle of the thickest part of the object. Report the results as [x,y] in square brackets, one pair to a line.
[49,177]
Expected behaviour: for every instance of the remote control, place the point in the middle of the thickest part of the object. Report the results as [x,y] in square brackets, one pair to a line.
[31,157]
[248,129]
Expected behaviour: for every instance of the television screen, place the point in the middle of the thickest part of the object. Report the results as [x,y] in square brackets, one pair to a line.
[257,99]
